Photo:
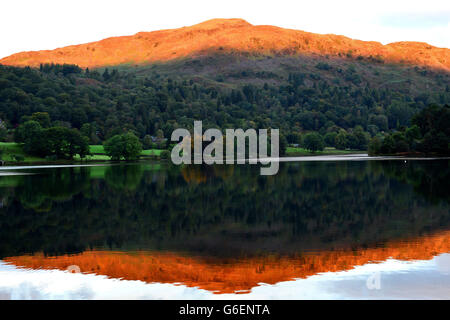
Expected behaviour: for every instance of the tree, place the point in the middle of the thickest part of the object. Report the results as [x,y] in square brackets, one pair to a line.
[42,117]
[78,144]
[293,137]
[398,114]
[330,139]
[433,118]
[352,141]
[3,133]
[64,143]
[388,145]
[341,140]
[374,146]
[160,134]
[26,131]
[413,133]
[283,145]
[133,146]
[147,142]
[435,143]
[106,75]
[314,142]
[61,142]
[78,117]
[433,123]
[114,147]
[401,144]
[89,130]
[357,139]
[381,121]
[125,146]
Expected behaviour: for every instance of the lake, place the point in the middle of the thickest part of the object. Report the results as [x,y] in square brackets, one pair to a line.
[337,227]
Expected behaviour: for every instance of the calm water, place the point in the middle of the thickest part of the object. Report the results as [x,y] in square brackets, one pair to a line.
[318,229]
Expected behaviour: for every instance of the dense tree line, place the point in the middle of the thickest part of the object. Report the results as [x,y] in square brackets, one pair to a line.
[428,134]
[104,103]
[51,142]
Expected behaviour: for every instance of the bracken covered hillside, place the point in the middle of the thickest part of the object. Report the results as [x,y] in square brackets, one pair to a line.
[230,35]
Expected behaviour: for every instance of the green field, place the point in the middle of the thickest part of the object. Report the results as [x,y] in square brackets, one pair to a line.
[94,157]
[297,151]
[12,149]
[151,152]
[99,150]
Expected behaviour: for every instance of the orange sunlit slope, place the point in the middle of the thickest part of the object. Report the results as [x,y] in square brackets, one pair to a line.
[232,275]
[228,35]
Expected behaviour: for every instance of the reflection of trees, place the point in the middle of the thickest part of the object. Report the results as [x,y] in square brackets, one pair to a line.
[201,173]
[431,179]
[309,205]
[38,191]
[194,173]
[123,178]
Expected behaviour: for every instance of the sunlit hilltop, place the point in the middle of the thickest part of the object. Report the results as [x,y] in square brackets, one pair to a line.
[230,36]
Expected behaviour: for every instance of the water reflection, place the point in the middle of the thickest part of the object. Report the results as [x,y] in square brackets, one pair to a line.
[231,275]
[225,229]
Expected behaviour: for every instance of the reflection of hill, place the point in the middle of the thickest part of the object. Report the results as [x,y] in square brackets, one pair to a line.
[231,275]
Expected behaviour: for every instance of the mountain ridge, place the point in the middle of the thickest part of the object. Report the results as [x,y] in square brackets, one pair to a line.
[229,36]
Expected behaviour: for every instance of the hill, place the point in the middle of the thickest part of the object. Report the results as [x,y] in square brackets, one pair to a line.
[229,74]
[230,36]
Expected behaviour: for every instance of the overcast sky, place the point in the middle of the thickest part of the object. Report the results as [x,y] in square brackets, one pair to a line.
[48,24]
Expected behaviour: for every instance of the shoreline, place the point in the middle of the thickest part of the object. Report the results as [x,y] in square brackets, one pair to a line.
[316,158]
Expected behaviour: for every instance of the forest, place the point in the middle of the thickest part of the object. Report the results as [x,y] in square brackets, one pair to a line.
[428,134]
[106,102]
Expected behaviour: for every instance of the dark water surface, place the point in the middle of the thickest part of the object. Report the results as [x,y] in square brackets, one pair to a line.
[317,229]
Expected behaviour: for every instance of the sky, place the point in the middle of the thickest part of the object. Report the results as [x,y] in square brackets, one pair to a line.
[48,24]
